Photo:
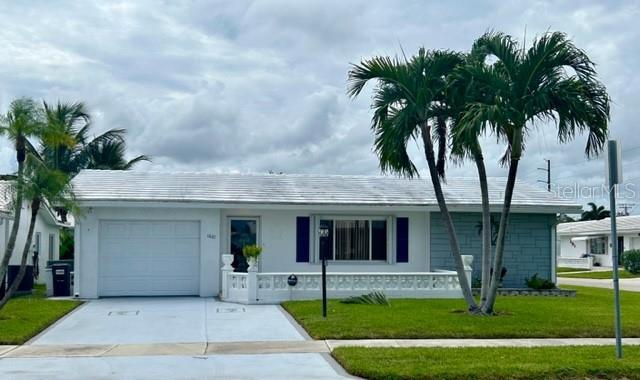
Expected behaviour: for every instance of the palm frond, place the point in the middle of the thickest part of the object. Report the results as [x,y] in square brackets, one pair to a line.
[373,298]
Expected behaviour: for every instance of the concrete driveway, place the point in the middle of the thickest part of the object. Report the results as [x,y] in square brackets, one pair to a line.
[171,338]
[170,320]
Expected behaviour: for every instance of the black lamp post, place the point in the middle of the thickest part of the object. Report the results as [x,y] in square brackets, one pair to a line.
[324,233]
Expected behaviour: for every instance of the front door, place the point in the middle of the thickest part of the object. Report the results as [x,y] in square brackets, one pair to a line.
[242,231]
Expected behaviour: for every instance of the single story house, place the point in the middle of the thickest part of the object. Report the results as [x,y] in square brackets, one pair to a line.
[590,240]
[159,234]
[46,238]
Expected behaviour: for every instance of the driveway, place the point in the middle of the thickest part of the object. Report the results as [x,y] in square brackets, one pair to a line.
[170,320]
[172,337]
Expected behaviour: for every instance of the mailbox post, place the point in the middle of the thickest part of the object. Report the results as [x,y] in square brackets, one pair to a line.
[323,233]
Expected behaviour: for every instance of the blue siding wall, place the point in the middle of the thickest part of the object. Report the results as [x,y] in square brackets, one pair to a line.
[527,251]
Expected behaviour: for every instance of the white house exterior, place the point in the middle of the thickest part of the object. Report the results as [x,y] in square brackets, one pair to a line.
[146,233]
[46,237]
[592,238]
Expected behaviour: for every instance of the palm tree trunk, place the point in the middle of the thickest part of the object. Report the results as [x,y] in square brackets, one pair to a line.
[16,224]
[446,218]
[486,225]
[516,146]
[35,206]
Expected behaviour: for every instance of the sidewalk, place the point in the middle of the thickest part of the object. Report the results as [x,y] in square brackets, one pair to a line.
[628,284]
[280,347]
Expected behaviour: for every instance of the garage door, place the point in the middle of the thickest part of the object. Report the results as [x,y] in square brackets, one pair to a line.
[149,258]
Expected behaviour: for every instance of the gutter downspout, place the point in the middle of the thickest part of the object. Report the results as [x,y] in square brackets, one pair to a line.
[77,241]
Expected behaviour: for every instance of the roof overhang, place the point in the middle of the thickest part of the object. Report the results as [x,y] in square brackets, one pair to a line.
[152,203]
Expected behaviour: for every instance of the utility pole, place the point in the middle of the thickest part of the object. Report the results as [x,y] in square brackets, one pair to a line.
[548,170]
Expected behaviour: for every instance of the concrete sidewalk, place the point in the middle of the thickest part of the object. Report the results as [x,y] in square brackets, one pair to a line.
[279,347]
[628,284]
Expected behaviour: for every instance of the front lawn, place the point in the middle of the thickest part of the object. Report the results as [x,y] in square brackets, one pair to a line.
[589,314]
[603,275]
[490,363]
[25,316]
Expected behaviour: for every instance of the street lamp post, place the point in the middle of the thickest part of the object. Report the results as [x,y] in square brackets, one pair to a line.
[324,233]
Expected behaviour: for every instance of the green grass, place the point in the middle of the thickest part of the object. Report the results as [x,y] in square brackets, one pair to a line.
[490,363]
[589,314]
[600,275]
[24,317]
[567,270]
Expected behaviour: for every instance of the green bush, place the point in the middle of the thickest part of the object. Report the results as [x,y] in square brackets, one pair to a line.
[538,283]
[631,261]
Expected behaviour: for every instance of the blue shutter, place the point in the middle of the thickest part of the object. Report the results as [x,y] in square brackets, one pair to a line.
[402,240]
[302,239]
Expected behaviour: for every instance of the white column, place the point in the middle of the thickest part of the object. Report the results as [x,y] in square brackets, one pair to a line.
[252,284]
[225,270]
[467,260]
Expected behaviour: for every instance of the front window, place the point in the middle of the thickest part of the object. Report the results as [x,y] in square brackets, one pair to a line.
[598,246]
[347,239]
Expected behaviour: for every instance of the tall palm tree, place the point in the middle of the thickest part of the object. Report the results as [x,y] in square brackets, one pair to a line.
[460,92]
[105,151]
[41,185]
[552,81]
[408,101]
[595,212]
[109,154]
[23,120]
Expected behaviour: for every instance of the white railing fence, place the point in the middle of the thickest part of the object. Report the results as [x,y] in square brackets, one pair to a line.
[576,262]
[271,288]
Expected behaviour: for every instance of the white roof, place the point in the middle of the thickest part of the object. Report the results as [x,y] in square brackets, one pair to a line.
[6,205]
[114,185]
[624,224]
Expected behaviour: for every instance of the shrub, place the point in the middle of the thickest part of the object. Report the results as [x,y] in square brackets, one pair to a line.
[631,261]
[373,298]
[538,283]
[252,251]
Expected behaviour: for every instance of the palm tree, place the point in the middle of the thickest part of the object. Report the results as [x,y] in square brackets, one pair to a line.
[408,104]
[595,212]
[41,185]
[552,81]
[109,154]
[23,120]
[105,151]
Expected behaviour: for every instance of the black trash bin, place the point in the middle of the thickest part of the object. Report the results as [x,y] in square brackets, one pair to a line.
[61,280]
[26,285]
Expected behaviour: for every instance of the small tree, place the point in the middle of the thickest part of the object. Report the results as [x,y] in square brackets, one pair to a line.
[23,120]
[41,186]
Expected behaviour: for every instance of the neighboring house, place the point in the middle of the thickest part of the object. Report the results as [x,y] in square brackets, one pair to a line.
[150,233]
[46,237]
[592,238]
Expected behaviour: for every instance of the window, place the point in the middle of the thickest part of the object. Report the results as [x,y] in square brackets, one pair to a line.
[598,246]
[52,246]
[351,239]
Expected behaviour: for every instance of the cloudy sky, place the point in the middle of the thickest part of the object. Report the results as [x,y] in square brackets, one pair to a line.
[256,86]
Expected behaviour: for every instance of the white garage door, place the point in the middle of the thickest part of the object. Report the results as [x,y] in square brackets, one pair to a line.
[149,258]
